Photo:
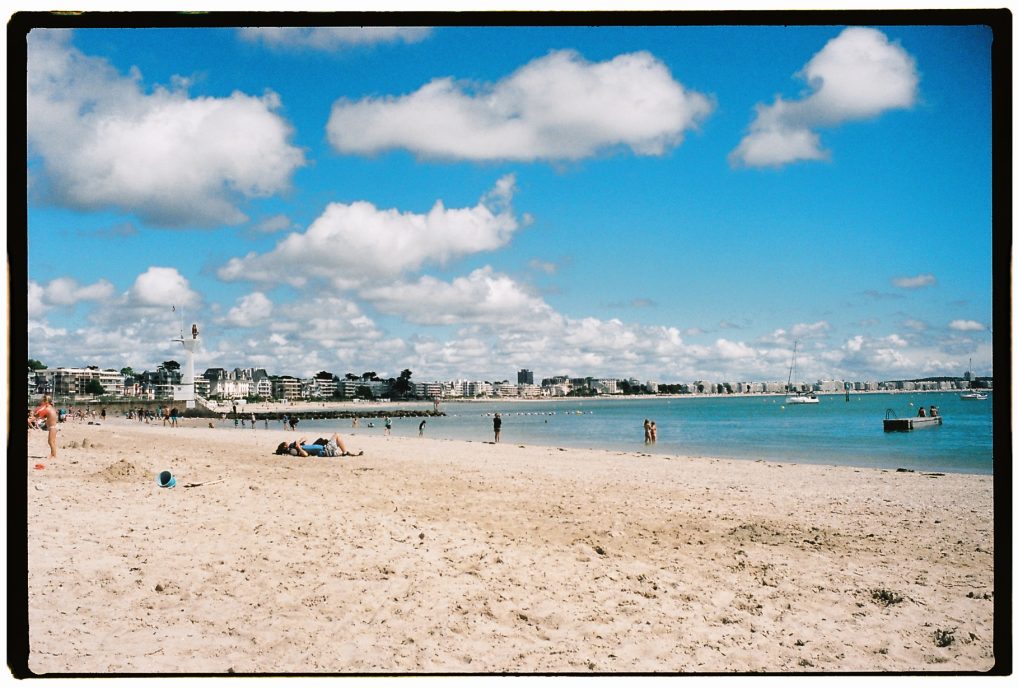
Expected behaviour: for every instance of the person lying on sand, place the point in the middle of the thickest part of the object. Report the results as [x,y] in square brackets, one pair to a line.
[333,446]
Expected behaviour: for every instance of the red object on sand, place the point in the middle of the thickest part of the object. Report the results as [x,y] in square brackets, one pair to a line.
[39,466]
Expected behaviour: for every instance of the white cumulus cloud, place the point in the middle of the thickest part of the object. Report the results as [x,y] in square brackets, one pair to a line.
[106,141]
[858,75]
[967,326]
[917,282]
[351,243]
[273,224]
[558,107]
[332,38]
[66,291]
[482,297]
[136,327]
[817,329]
[251,310]
[161,288]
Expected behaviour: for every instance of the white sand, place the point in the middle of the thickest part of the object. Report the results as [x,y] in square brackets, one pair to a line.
[438,556]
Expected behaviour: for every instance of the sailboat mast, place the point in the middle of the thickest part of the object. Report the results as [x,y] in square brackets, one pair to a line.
[795,346]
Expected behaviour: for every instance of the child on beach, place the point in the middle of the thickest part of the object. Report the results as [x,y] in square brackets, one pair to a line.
[46,412]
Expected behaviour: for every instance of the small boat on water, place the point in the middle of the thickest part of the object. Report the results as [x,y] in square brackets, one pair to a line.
[798,397]
[894,424]
[972,393]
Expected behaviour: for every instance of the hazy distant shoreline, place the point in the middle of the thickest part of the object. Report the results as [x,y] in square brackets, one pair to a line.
[349,405]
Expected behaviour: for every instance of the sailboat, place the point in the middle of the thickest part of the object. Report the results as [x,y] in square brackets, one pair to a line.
[972,393]
[798,397]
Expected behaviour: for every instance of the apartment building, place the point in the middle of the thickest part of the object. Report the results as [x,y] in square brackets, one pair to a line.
[286,387]
[72,382]
[428,390]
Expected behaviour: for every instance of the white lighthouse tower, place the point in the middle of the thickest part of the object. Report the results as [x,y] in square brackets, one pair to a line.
[185,390]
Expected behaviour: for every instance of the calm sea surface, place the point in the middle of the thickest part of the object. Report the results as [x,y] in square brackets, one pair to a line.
[763,427]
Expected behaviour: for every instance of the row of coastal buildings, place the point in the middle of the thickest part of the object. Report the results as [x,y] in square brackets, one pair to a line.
[221,384]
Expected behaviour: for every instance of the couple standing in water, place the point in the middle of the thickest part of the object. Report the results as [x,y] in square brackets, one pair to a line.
[649,431]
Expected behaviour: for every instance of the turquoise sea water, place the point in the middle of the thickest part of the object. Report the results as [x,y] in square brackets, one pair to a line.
[755,427]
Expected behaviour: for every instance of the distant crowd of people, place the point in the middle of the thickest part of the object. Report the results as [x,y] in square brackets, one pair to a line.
[169,416]
[70,414]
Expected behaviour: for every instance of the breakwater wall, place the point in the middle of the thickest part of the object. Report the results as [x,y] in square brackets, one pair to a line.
[330,414]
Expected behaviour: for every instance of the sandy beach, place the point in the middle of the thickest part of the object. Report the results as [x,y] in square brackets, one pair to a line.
[435,556]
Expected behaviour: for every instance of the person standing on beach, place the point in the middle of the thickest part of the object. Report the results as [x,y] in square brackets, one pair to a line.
[388,425]
[420,428]
[497,425]
[46,412]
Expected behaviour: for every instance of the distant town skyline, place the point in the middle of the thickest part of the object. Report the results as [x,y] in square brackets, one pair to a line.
[659,202]
[523,377]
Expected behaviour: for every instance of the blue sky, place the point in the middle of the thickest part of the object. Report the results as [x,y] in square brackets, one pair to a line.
[670,202]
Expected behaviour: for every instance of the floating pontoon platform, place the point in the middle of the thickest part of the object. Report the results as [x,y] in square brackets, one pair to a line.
[906,424]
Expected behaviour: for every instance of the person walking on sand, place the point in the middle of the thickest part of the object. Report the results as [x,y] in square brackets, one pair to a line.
[388,425]
[497,425]
[48,414]
[420,428]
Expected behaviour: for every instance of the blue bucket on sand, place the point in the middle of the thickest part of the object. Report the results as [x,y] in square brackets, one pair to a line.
[166,479]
